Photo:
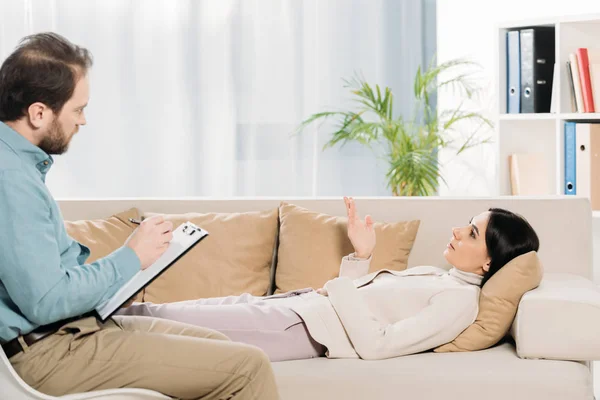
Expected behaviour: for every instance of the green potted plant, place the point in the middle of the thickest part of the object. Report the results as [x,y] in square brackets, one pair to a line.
[410,144]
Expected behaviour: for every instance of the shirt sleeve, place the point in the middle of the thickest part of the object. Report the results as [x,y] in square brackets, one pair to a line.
[447,315]
[354,267]
[44,289]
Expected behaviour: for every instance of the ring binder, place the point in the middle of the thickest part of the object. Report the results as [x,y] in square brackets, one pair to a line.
[537,68]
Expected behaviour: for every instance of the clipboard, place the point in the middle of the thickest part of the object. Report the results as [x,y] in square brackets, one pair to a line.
[186,236]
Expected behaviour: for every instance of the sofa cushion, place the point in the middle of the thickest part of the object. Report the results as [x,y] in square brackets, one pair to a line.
[103,236]
[492,374]
[559,320]
[498,302]
[312,244]
[234,258]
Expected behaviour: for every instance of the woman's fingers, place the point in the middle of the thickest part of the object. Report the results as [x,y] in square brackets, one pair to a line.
[347,203]
[353,214]
[351,209]
[369,222]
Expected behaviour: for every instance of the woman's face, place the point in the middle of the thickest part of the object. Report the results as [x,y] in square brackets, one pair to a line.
[466,250]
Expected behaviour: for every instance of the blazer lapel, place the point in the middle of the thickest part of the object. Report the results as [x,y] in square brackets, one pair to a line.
[424,270]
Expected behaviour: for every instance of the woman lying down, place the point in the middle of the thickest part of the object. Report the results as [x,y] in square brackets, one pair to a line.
[380,315]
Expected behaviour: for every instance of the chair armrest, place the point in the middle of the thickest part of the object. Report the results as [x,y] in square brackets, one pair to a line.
[559,320]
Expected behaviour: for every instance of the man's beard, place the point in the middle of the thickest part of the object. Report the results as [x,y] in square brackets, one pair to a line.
[55,141]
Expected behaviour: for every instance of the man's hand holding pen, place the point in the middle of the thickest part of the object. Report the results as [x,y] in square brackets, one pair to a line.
[151,239]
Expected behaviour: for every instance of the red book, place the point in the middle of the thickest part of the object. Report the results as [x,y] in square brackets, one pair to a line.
[586,83]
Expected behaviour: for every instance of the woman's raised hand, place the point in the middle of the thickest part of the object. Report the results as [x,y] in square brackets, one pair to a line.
[360,233]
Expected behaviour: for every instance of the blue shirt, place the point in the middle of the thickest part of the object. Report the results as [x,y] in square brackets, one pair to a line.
[43,275]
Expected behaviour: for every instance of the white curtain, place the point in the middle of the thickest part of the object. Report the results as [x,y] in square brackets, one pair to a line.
[199,98]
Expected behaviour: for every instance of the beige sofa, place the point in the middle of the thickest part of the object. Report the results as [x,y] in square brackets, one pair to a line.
[564,308]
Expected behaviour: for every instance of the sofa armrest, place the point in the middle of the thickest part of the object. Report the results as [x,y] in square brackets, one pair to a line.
[559,320]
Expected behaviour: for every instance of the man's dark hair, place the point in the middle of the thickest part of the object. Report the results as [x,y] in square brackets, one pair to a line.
[44,68]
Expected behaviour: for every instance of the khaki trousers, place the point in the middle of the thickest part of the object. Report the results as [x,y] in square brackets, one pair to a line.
[176,359]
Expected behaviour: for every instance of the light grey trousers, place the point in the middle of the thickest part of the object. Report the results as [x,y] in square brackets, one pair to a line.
[276,329]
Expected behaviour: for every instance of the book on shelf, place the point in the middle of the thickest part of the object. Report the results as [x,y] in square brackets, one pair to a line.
[594,73]
[583,73]
[573,76]
[584,78]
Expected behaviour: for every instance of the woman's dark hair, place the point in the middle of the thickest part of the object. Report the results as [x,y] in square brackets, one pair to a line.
[508,235]
[44,68]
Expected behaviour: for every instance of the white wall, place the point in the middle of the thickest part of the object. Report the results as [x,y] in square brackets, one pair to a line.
[467,28]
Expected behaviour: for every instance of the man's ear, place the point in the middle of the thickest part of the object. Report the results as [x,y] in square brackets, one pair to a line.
[39,115]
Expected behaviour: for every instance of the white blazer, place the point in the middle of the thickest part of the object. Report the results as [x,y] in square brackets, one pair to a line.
[387,313]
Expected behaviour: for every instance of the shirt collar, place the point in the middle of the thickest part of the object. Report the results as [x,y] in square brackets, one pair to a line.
[466,277]
[27,151]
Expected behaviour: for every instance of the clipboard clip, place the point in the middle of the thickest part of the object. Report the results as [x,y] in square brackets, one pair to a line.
[189,229]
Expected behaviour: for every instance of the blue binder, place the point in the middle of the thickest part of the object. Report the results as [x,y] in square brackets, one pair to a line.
[570,161]
[513,72]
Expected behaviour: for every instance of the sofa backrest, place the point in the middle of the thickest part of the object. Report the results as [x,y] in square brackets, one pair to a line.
[563,223]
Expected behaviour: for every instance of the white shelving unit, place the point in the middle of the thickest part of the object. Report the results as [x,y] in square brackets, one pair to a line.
[522,133]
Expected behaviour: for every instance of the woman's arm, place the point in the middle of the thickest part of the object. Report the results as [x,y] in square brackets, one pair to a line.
[360,233]
[354,267]
[447,315]
[362,237]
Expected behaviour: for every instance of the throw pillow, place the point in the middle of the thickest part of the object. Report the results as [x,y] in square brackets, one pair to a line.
[103,236]
[498,302]
[234,258]
[312,244]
